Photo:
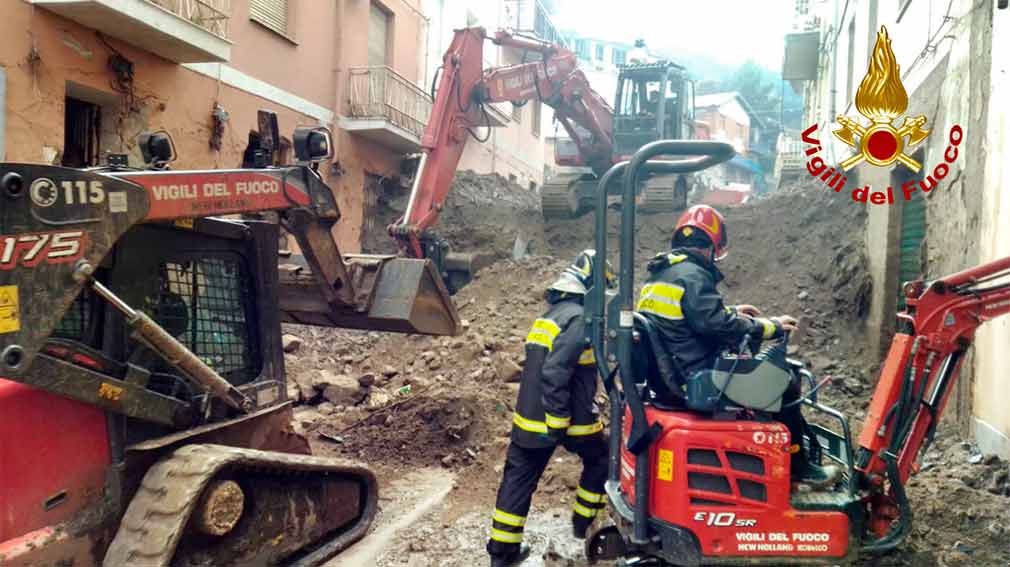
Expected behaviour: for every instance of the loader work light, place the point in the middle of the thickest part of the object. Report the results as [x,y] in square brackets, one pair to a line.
[157,148]
[313,144]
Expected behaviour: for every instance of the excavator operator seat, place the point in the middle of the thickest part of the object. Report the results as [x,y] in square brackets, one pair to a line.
[665,386]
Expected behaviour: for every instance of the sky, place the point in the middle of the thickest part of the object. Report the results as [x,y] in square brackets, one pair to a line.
[730,31]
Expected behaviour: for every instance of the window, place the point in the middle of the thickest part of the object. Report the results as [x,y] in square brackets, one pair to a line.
[620,56]
[535,126]
[272,14]
[82,129]
[378,37]
[582,48]
[599,52]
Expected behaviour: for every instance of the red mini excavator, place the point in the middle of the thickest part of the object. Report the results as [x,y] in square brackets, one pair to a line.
[144,414]
[703,478]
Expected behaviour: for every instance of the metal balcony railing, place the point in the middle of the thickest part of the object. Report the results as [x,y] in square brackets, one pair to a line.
[530,17]
[211,15]
[380,92]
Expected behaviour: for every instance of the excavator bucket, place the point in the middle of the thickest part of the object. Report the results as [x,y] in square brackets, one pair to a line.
[394,294]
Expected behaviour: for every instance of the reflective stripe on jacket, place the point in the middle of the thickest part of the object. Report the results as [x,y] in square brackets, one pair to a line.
[558,383]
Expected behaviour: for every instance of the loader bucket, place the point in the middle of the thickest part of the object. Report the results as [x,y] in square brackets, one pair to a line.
[393,294]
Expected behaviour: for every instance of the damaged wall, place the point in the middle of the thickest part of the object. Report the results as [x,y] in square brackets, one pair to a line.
[965,223]
[48,58]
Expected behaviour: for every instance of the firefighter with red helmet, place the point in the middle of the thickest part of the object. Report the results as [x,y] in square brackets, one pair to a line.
[555,407]
[681,300]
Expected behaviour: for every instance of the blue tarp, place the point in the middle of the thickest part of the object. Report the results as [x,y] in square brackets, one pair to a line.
[754,168]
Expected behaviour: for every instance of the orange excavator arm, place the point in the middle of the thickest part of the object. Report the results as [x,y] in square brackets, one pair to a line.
[465,87]
[915,383]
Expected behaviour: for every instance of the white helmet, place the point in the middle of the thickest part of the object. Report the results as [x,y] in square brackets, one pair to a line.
[578,277]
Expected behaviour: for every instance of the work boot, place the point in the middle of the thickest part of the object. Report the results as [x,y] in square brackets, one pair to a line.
[511,559]
[580,525]
[814,475]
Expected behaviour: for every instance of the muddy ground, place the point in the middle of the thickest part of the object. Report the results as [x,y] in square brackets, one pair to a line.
[432,415]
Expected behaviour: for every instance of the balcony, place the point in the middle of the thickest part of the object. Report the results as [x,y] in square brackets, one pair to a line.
[530,17]
[184,31]
[385,107]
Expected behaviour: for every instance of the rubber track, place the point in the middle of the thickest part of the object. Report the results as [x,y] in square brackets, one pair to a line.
[157,515]
[554,200]
[661,196]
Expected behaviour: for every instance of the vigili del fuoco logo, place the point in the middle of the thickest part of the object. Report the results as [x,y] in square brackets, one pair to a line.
[881,99]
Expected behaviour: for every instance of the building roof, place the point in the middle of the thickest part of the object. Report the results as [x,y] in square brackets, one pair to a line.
[719,99]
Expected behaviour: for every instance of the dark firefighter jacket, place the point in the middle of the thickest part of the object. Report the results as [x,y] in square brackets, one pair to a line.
[681,300]
[558,380]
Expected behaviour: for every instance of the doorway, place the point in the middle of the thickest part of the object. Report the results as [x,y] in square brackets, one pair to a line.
[82,133]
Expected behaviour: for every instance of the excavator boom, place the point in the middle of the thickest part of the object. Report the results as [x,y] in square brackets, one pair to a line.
[458,111]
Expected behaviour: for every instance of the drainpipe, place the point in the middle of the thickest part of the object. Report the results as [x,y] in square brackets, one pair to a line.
[834,63]
[338,39]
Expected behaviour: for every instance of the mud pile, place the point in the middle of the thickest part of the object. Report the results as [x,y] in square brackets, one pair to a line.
[487,215]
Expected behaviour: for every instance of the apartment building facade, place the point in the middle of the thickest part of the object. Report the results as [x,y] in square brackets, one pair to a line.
[954,68]
[514,143]
[84,78]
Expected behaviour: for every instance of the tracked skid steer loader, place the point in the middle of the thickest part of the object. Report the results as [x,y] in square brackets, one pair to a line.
[144,418]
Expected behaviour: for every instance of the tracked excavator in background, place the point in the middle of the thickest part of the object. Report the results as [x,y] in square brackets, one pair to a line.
[700,475]
[144,418]
[654,101]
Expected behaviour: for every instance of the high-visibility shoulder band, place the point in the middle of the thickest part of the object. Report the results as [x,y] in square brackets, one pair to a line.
[529,425]
[555,422]
[664,290]
[543,333]
[580,430]
[509,519]
[583,511]
[540,338]
[590,497]
[587,357]
[769,328]
[506,537]
[662,299]
[547,325]
[676,258]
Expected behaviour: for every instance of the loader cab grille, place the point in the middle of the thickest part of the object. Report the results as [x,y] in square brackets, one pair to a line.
[74,324]
[204,303]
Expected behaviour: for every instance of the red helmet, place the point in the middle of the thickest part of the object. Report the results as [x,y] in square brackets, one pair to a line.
[709,221]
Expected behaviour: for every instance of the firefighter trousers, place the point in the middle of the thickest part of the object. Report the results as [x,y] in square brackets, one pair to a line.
[523,469]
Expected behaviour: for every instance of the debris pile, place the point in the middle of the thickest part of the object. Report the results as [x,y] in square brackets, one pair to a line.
[402,402]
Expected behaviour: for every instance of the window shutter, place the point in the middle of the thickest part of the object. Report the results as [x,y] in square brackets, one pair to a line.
[378,35]
[271,13]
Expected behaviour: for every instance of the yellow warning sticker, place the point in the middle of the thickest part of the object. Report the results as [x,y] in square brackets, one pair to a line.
[665,468]
[110,392]
[10,315]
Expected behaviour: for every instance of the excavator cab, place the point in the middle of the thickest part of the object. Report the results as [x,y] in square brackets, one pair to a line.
[655,101]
